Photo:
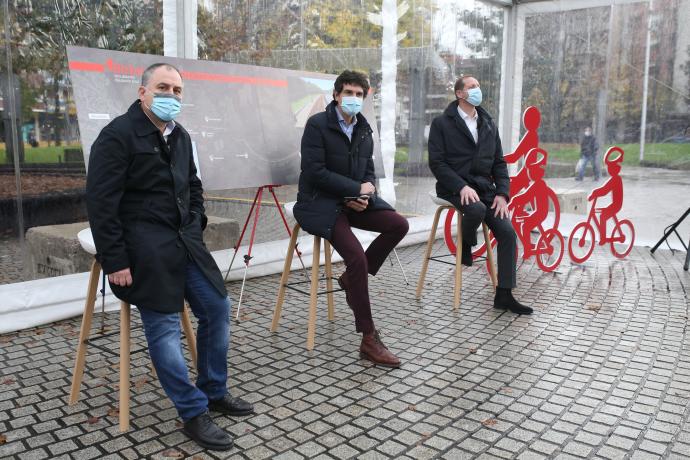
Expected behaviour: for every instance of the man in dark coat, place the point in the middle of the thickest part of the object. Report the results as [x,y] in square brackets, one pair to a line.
[146,212]
[466,157]
[589,147]
[337,192]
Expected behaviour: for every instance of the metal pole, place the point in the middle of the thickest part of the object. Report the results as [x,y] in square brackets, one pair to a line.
[13,126]
[645,83]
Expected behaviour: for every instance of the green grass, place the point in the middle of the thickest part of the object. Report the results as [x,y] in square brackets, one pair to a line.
[40,154]
[669,155]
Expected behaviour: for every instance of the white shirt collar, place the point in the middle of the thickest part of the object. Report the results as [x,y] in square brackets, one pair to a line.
[466,116]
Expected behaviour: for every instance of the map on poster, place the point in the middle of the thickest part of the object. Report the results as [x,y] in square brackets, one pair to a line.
[245,121]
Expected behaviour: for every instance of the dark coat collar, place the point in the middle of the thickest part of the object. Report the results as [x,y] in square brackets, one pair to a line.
[484,120]
[142,125]
[332,118]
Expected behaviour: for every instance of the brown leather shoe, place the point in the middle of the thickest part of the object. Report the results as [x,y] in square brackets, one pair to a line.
[373,349]
[342,282]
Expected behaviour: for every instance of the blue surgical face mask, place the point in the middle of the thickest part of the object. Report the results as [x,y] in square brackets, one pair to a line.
[351,105]
[166,106]
[474,96]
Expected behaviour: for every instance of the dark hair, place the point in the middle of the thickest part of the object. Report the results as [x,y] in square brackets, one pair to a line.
[460,83]
[146,76]
[351,77]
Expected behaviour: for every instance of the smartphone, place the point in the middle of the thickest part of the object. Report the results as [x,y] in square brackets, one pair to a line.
[355,198]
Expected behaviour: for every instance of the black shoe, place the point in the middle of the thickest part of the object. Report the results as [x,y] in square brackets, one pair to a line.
[204,431]
[231,406]
[504,300]
[466,258]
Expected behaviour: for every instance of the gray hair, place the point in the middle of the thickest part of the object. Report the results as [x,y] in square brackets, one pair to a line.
[146,76]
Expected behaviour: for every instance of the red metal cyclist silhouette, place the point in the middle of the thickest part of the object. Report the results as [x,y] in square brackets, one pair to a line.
[614,186]
[537,194]
[531,120]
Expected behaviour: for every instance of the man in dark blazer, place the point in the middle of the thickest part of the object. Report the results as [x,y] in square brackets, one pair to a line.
[146,213]
[337,192]
[466,157]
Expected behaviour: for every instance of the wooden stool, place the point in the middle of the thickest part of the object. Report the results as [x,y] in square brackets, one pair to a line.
[442,206]
[314,281]
[86,240]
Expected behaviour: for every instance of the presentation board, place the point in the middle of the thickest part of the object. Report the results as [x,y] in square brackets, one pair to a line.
[246,122]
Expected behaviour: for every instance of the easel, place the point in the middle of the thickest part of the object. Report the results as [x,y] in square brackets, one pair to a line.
[673,229]
[256,205]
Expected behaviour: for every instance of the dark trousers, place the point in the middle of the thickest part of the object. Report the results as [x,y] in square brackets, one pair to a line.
[472,216]
[392,228]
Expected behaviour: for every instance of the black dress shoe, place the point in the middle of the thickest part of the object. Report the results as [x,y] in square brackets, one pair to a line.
[504,300]
[204,431]
[231,406]
[466,258]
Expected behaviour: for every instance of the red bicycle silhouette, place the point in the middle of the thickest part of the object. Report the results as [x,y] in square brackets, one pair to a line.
[582,238]
[538,196]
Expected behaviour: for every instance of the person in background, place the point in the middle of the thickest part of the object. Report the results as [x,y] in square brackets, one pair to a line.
[589,148]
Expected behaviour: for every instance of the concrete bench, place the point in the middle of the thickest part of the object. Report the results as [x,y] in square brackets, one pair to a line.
[571,201]
[53,250]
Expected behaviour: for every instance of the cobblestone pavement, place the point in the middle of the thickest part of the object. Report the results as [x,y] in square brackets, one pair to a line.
[601,370]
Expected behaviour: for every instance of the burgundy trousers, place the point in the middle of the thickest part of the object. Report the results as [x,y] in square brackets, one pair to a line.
[392,228]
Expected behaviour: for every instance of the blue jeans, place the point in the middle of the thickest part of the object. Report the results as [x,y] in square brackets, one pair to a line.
[163,333]
[595,167]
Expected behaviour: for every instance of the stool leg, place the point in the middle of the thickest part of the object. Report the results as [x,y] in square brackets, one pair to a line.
[458,264]
[489,256]
[427,253]
[189,334]
[311,328]
[284,278]
[85,332]
[124,366]
[329,279]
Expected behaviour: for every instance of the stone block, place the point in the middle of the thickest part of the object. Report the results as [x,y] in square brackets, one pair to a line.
[572,201]
[54,250]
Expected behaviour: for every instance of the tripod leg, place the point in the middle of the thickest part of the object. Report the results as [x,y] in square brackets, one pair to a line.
[401,267]
[287,228]
[239,302]
[244,229]
[687,258]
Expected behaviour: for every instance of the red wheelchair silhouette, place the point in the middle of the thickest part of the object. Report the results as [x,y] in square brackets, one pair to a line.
[582,238]
[550,245]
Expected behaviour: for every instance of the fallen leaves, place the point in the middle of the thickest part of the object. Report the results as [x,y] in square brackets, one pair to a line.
[113,412]
[8,381]
[172,453]
[139,383]
[3,439]
[473,350]
[412,407]
[489,422]
[93,420]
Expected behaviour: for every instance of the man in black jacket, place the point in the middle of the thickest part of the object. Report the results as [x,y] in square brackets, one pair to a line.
[337,192]
[466,157]
[146,212]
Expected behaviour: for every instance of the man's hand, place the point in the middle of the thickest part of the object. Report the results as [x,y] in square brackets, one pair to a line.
[358,205]
[501,207]
[121,278]
[367,188]
[468,195]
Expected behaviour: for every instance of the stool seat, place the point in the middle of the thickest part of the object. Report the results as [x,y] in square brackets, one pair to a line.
[85,238]
[439,201]
[289,208]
